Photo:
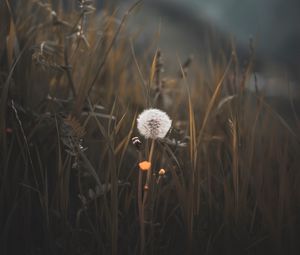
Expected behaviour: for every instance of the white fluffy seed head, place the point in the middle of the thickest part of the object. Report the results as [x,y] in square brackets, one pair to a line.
[153,123]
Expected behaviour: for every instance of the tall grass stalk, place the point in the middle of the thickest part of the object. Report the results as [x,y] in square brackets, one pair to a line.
[71,84]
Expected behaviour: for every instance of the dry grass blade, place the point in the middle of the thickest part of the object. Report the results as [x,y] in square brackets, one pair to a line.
[212,102]
[225,101]
[143,83]
[106,54]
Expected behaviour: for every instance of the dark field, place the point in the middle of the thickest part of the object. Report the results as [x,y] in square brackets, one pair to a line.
[73,82]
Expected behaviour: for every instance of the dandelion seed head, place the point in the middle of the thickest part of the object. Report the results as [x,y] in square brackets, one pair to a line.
[153,123]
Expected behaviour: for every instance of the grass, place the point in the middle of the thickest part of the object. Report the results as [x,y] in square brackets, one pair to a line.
[71,88]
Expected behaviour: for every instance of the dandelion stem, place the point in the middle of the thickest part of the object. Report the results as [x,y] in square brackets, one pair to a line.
[148,173]
[146,204]
[141,208]
[141,212]
[150,160]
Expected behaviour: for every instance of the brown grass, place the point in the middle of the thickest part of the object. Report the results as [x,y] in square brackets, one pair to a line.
[69,174]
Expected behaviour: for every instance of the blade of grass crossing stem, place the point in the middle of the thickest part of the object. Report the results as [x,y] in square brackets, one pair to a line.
[192,128]
[144,85]
[152,70]
[235,164]
[193,155]
[213,101]
[110,118]
[126,142]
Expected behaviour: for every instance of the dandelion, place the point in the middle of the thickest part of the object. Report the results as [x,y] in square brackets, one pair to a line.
[153,123]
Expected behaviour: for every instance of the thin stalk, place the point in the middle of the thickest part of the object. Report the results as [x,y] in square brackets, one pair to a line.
[145,198]
[141,207]
[150,160]
[148,174]
[141,212]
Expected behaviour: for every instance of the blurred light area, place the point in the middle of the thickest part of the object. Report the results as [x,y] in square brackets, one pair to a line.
[198,26]
[274,24]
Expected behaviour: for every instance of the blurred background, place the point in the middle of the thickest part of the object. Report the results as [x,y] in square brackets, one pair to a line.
[197,27]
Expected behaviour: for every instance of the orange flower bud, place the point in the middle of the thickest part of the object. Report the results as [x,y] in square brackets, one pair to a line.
[161,172]
[145,165]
